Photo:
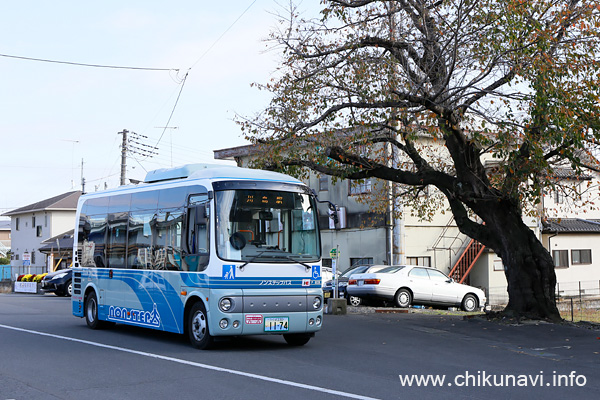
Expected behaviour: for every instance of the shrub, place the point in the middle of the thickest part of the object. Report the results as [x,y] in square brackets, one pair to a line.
[20,278]
[38,278]
[27,278]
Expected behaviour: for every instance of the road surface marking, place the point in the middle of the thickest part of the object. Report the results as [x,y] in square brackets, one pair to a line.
[195,364]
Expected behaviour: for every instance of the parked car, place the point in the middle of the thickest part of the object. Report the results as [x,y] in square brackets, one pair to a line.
[59,282]
[343,282]
[411,284]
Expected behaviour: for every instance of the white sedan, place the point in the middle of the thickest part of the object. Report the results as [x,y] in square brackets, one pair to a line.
[411,284]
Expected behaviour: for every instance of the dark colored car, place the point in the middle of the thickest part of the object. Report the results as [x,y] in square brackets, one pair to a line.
[343,282]
[59,282]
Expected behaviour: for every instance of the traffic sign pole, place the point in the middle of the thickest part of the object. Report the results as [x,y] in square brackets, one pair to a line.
[335,254]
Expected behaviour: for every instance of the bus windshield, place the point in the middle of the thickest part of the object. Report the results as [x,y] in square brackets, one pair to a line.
[266,226]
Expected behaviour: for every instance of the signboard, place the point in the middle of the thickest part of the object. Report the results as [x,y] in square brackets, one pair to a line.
[26,259]
[25,287]
[334,253]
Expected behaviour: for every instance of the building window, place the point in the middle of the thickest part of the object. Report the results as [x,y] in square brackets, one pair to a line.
[361,186]
[581,256]
[323,184]
[561,258]
[421,261]
[327,263]
[355,262]
[33,222]
[38,232]
[17,223]
[498,266]
[33,258]
[558,196]
[45,220]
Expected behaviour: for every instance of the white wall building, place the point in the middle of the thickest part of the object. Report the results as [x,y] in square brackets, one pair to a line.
[34,223]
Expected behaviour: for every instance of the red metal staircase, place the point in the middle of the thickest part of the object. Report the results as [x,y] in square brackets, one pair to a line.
[466,261]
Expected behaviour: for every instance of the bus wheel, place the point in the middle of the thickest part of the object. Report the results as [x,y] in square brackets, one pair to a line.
[297,339]
[91,311]
[197,327]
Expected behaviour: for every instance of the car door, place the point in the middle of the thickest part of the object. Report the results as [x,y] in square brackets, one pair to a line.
[420,284]
[443,289]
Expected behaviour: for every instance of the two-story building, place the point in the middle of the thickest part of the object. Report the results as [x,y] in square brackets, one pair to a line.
[35,223]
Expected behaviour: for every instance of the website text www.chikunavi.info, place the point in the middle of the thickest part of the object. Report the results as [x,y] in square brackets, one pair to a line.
[483,379]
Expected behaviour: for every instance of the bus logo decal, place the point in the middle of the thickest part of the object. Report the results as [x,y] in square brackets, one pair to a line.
[228,272]
[140,317]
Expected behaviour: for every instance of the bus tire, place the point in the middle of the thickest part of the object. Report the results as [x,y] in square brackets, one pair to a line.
[297,339]
[91,311]
[197,327]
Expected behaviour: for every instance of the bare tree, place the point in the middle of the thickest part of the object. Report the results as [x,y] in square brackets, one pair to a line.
[431,93]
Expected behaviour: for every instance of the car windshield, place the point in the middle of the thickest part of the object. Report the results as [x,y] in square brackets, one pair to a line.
[390,270]
[357,270]
[266,226]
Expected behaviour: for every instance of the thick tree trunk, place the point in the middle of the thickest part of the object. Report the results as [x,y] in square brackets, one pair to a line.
[528,266]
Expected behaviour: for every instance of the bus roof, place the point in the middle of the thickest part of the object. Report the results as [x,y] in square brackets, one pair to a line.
[194,172]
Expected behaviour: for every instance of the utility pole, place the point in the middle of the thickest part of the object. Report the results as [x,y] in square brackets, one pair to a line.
[82,178]
[123,156]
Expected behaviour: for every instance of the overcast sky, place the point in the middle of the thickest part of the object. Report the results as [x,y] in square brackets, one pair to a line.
[53,116]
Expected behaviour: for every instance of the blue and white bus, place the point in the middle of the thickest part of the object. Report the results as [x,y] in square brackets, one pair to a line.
[203,251]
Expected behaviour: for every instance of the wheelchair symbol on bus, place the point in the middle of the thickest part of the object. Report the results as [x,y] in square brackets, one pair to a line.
[316,272]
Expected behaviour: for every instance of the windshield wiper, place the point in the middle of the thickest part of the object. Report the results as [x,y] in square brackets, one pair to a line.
[299,262]
[260,254]
[241,267]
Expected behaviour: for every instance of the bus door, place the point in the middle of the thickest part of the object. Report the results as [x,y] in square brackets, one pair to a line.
[197,243]
[115,274]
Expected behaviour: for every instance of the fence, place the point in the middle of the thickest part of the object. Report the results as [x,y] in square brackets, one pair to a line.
[579,290]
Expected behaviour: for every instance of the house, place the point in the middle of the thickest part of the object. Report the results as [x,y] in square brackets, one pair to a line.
[4,238]
[31,225]
[58,250]
[365,236]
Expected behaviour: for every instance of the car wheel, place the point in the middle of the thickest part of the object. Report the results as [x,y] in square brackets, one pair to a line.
[68,289]
[297,339]
[91,311]
[354,301]
[197,327]
[403,298]
[470,303]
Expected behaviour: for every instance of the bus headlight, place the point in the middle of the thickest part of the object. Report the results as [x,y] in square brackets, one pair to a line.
[225,304]
[317,303]
[223,324]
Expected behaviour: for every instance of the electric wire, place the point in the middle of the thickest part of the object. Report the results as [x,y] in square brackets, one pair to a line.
[87,65]
[197,61]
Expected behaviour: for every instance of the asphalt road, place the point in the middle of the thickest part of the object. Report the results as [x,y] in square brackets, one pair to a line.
[46,353]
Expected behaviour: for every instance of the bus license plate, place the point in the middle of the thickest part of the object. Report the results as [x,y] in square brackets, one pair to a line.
[276,324]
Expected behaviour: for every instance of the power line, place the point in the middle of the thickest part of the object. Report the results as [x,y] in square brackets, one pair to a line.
[87,65]
[197,61]
[223,34]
